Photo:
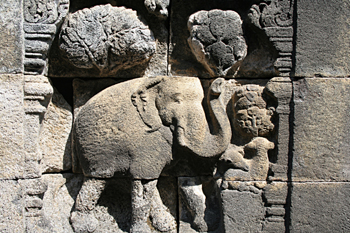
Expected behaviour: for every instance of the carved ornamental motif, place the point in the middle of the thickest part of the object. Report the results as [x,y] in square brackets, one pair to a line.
[275,17]
[42,18]
[107,38]
[144,128]
[217,40]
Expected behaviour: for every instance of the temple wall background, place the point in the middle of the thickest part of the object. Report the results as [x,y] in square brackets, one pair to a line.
[284,62]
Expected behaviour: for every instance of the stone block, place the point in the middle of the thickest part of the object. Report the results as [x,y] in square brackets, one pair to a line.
[55,136]
[322,38]
[11,38]
[59,199]
[321,129]
[12,153]
[320,207]
[242,211]
[11,207]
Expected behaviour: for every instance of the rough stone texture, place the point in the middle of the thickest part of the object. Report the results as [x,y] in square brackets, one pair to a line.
[37,95]
[320,207]
[242,211]
[11,38]
[55,136]
[321,131]
[158,7]
[157,65]
[41,21]
[199,205]
[12,153]
[59,200]
[216,39]
[322,38]
[119,39]
[11,207]
[269,50]
[138,142]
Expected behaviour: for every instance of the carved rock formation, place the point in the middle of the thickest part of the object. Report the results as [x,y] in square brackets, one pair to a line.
[107,38]
[217,40]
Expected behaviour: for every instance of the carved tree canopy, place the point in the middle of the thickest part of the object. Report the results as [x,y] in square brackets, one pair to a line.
[108,38]
[217,40]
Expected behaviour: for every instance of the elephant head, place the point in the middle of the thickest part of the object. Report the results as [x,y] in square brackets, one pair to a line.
[176,102]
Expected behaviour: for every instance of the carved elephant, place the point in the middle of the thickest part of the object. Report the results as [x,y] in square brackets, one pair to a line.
[130,129]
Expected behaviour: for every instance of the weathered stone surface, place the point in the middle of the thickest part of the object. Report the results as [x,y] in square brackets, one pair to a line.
[37,95]
[242,211]
[119,39]
[59,200]
[320,207]
[11,207]
[11,38]
[41,20]
[199,205]
[12,153]
[216,39]
[138,142]
[269,45]
[321,141]
[55,136]
[158,7]
[322,38]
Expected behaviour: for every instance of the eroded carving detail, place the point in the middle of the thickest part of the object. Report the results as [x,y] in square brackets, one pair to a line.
[134,137]
[275,17]
[107,38]
[158,7]
[217,40]
[252,121]
[42,18]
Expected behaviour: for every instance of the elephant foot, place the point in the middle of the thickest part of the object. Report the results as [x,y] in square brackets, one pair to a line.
[140,228]
[83,222]
[162,220]
[199,224]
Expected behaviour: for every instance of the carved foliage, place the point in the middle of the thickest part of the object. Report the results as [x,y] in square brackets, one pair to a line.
[108,38]
[217,40]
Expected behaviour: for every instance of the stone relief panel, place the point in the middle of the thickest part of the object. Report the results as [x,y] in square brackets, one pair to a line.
[42,18]
[141,143]
[266,29]
[129,41]
[106,38]
[217,40]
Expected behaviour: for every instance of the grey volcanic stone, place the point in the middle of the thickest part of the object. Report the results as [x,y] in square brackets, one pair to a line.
[320,207]
[55,136]
[242,211]
[322,38]
[11,207]
[11,37]
[321,131]
[119,39]
[59,199]
[216,39]
[12,153]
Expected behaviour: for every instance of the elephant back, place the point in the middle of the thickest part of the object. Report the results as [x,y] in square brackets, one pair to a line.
[111,139]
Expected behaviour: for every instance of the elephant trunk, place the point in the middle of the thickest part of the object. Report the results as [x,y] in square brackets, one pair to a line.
[208,141]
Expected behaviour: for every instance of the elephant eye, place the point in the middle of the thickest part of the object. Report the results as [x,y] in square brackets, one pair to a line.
[177,98]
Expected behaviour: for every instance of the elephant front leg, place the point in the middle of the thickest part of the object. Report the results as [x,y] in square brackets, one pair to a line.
[81,218]
[141,196]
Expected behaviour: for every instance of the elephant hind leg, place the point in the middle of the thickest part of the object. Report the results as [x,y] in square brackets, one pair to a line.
[81,218]
[141,196]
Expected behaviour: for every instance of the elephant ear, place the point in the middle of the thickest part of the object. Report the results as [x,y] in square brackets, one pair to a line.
[144,101]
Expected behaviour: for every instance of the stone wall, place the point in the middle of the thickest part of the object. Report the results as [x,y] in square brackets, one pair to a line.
[174,116]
